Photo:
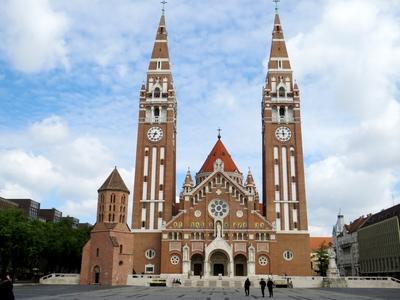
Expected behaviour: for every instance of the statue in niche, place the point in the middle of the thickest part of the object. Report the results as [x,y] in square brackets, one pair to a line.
[251,254]
[185,253]
[219,230]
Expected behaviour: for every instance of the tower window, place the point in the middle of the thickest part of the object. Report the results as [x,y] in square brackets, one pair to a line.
[161,161]
[281,111]
[156,112]
[158,65]
[97,252]
[161,187]
[143,224]
[120,249]
[281,91]
[278,215]
[276,187]
[279,64]
[144,178]
[157,92]
[276,161]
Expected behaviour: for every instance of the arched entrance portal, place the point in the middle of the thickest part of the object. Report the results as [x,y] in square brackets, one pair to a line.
[197,262]
[219,263]
[96,271]
[240,263]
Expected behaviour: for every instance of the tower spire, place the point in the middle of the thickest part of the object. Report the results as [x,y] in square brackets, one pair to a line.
[163,7]
[276,5]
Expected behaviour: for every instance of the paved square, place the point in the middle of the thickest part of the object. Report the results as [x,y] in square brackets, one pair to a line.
[163,293]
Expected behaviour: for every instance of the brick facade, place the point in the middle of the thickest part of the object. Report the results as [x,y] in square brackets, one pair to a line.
[219,226]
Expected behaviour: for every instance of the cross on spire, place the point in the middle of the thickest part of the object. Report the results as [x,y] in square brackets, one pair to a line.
[219,133]
[163,6]
[276,5]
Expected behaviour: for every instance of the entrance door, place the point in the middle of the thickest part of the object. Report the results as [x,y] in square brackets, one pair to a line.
[197,269]
[218,269]
[96,271]
[239,270]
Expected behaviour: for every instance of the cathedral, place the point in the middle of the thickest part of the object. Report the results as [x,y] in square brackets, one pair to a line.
[219,227]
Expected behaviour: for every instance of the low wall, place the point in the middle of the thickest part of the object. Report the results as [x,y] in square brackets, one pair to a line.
[60,278]
[237,282]
[372,282]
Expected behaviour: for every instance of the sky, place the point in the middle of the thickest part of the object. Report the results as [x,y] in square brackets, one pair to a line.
[71,71]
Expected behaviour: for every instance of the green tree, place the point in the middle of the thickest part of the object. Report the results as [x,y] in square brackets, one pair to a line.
[322,258]
[28,247]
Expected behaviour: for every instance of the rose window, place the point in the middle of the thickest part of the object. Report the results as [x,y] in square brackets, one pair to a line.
[263,260]
[174,259]
[218,208]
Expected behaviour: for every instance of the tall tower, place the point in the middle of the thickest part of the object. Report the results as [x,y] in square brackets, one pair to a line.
[283,168]
[154,188]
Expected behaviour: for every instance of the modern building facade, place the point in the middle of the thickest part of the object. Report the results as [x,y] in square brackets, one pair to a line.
[50,215]
[218,228]
[379,244]
[7,204]
[29,207]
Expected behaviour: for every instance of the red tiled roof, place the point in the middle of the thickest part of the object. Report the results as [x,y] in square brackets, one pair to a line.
[356,224]
[219,151]
[316,242]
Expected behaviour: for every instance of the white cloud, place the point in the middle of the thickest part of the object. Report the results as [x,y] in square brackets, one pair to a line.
[64,174]
[50,130]
[34,35]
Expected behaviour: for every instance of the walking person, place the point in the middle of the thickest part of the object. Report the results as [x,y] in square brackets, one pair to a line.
[262,285]
[6,288]
[247,284]
[270,285]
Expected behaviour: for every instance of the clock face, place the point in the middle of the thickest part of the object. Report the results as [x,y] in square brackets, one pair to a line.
[283,134]
[155,134]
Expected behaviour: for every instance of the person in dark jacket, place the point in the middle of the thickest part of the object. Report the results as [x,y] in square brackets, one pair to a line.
[262,285]
[270,286]
[6,288]
[247,284]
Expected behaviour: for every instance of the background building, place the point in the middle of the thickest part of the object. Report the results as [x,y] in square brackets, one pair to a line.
[29,207]
[379,244]
[6,204]
[315,244]
[50,215]
[345,243]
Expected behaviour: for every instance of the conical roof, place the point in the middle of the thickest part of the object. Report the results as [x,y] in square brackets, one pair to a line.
[249,179]
[114,182]
[219,151]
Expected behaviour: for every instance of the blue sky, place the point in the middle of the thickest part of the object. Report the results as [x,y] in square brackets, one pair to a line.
[70,73]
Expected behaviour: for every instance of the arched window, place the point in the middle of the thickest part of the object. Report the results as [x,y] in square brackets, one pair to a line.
[123,199]
[113,217]
[157,92]
[281,91]
[109,217]
[156,111]
[120,249]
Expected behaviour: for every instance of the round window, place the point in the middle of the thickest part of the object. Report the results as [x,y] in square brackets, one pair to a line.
[150,253]
[175,259]
[263,260]
[218,208]
[288,255]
